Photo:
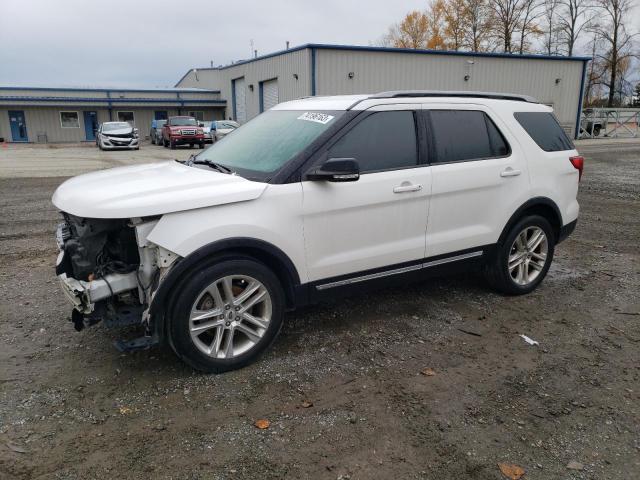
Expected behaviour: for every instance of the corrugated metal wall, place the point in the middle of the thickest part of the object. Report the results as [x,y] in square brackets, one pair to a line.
[378,71]
[283,67]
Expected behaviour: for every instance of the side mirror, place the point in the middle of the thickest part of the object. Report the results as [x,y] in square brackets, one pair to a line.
[336,170]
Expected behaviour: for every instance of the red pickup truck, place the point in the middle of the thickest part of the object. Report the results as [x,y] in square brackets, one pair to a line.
[182,131]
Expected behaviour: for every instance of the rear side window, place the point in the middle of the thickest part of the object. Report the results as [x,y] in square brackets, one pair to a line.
[545,131]
[461,135]
[382,141]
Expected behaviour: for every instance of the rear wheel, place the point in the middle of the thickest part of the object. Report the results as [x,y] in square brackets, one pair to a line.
[523,259]
[226,315]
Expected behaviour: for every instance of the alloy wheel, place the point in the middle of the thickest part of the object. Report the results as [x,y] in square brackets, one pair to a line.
[528,255]
[230,316]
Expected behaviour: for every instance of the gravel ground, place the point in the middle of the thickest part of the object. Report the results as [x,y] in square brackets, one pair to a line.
[72,407]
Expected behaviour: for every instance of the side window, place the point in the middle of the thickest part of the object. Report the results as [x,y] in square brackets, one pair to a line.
[466,135]
[545,131]
[382,141]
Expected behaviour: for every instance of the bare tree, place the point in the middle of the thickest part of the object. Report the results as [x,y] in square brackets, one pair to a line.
[478,25]
[506,19]
[529,14]
[551,29]
[572,20]
[618,41]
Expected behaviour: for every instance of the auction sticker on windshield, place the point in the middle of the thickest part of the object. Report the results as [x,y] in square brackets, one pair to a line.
[322,118]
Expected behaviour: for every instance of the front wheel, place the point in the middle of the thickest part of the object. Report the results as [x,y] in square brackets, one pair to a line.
[523,259]
[226,315]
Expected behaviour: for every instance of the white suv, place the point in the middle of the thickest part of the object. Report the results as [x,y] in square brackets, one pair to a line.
[314,198]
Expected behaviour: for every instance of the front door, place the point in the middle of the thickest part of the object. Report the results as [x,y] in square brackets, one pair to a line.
[18,126]
[90,125]
[480,178]
[380,220]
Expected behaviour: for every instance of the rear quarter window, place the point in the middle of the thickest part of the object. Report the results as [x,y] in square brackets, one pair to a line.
[545,130]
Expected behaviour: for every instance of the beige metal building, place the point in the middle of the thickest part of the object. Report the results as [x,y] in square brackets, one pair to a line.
[73,114]
[255,85]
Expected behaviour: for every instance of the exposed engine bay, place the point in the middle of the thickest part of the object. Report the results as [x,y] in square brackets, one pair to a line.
[109,270]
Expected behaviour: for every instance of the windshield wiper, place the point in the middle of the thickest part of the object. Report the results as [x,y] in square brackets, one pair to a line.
[212,164]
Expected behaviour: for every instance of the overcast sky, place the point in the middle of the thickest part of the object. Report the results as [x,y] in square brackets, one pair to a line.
[140,43]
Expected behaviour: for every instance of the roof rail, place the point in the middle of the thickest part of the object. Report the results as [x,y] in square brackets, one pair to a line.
[465,94]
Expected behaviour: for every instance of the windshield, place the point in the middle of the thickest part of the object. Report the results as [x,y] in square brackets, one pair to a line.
[183,121]
[108,127]
[160,123]
[270,140]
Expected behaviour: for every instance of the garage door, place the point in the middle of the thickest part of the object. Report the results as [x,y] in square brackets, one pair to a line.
[239,102]
[269,94]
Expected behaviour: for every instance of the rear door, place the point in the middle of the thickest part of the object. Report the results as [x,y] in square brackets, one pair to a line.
[378,221]
[480,178]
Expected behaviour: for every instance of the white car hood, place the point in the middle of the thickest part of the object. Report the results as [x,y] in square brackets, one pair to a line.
[152,189]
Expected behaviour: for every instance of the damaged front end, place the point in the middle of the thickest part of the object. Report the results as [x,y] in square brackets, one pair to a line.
[109,272]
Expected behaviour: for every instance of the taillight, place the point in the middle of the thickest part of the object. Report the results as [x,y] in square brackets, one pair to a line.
[578,164]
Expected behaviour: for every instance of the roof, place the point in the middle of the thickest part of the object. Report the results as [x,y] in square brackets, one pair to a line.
[115,89]
[362,102]
[336,102]
[359,48]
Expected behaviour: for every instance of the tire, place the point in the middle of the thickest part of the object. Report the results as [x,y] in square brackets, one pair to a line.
[191,145]
[164,143]
[207,351]
[201,145]
[153,139]
[172,144]
[529,266]
[596,131]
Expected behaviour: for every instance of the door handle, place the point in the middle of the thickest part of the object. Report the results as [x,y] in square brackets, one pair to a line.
[510,172]
[407,188]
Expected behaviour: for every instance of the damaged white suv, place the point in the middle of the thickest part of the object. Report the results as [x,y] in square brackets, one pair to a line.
[315,198]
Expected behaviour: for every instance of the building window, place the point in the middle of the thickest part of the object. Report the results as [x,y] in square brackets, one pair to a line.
[69,120]
[197,115]
[126,117]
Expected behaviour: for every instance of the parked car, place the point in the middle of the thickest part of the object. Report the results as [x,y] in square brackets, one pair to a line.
[115,135]
[314,199]
[224,127]
[206,130]
[182,131]
[155,134]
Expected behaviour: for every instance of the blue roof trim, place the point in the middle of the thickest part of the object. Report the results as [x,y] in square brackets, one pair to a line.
[109,90]
[109,100]
[325,46]
[529,56]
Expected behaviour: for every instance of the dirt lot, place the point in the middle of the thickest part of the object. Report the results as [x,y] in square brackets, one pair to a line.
[72,407]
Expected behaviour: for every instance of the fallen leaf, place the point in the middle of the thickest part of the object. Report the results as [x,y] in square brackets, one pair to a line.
[510,470]
[573,465]
[16,448]
[307,404]
[428,372]
[125,410]
[262,424]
